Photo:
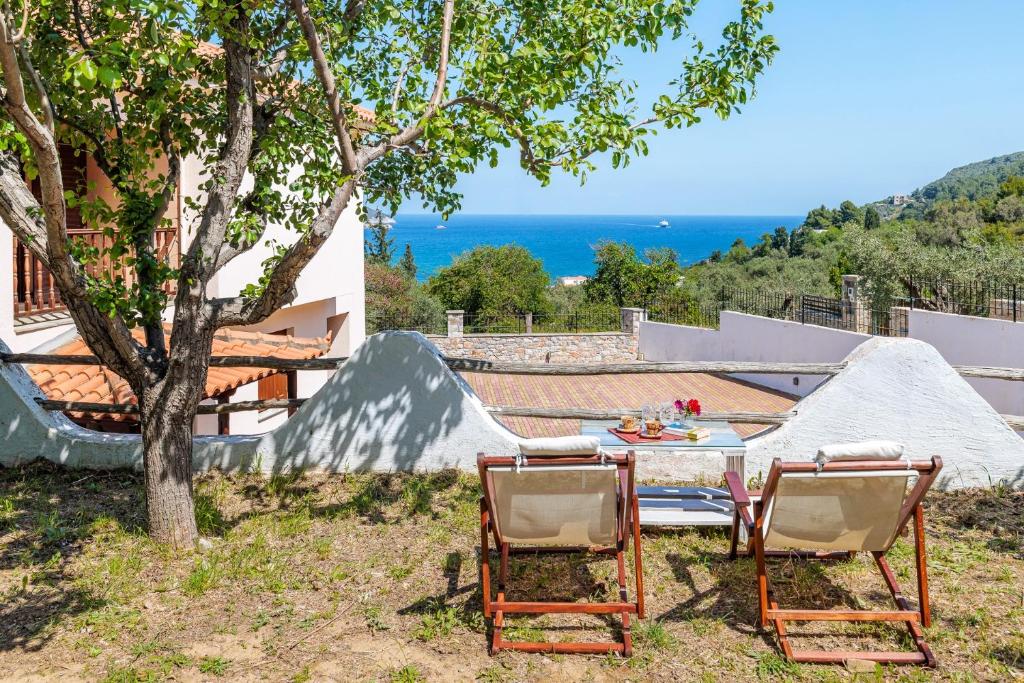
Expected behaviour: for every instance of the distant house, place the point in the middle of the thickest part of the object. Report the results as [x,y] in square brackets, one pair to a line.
[900,199]
[572,280]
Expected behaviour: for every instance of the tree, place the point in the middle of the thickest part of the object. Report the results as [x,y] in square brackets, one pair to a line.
[493,281]
[821,218]
[623,279]
[848,212]
[379,247]
[407,263]
[871,218]
[126,84]
[780,238]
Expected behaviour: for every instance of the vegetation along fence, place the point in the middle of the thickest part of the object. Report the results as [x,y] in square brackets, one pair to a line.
[983,298]
[809,309]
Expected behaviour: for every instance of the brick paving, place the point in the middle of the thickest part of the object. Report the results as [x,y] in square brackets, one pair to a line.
[716,393]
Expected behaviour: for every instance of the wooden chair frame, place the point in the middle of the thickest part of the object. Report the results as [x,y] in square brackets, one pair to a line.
[752,516]
[628,521]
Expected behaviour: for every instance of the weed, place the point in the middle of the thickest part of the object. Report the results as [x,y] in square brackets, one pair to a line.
[302,676]
[203,577]
[438,624]
[6,513]
[259,621]
[209,518]
[213,665]
[653,634]
[771,666]
[407,674]
[417,496]
[374,617]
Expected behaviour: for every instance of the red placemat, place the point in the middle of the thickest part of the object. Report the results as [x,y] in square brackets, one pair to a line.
[639,438]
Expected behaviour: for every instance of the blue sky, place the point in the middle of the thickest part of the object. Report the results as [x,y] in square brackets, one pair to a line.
[865,98]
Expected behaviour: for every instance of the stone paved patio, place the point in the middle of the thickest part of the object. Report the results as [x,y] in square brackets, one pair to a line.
[715,392]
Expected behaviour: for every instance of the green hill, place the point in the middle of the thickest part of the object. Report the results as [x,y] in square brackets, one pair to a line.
[973,181]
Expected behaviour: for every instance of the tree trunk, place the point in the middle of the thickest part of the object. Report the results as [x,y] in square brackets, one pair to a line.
[167,414]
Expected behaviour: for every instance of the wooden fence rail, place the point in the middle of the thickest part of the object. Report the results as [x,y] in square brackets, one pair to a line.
[616,413]
[215,361]
[553,369]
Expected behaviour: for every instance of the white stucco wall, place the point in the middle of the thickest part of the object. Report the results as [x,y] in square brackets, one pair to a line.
[966,340]
[900,389]
[393,406]
[396,406]
[743,337]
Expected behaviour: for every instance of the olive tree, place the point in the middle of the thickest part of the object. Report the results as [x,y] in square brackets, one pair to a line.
[266,95]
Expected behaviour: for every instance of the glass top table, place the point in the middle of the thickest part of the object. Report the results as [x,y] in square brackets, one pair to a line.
[678,461]
[722,437]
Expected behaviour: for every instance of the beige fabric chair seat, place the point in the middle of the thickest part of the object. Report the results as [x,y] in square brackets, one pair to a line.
[558,505]
[836,511]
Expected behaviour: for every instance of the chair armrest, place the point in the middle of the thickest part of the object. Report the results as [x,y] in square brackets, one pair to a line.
[737,491]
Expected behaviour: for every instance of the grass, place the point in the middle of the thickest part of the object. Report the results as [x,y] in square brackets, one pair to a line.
[375,577]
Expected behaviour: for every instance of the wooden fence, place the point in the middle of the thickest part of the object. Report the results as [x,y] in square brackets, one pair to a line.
[474,365]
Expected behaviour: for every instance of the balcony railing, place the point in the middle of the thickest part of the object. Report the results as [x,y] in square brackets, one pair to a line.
[36,293]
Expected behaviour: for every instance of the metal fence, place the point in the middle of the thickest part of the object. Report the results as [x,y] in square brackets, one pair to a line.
[807,309]
[429,323]
[585,320]
[983,298]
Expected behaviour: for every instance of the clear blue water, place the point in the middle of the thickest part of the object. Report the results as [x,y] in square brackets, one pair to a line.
[566,243]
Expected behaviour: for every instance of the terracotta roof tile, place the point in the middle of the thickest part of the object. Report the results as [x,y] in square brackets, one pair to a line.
[97,384]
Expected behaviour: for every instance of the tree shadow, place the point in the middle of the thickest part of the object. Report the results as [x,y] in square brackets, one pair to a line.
[47,515]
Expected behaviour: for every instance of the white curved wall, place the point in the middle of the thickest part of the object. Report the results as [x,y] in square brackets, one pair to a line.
[901,389]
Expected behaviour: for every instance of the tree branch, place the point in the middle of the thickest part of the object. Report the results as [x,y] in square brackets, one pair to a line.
[526,154]
[199,263]
[329,85]
[413,132]
[280,287]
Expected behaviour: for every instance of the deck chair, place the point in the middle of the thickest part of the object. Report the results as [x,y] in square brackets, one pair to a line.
[559,496]
[852,498]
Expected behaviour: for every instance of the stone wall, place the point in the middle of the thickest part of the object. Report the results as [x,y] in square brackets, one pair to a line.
[591,347]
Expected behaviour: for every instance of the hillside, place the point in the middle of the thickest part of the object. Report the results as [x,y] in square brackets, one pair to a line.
[973,181]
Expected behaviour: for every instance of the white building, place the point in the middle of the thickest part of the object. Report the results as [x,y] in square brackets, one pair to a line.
[329,304]
[572,280]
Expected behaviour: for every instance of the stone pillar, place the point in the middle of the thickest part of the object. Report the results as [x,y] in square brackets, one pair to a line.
[455,323]
[529,323]
[631,319]
[855,317]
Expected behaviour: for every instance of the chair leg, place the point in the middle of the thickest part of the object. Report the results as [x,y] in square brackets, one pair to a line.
[762,577]
[627,635]
[638,561]
[735,536]
[499,613]
[922,567]
[485,560]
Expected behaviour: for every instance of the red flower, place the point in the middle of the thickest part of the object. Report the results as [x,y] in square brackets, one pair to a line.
[693,406]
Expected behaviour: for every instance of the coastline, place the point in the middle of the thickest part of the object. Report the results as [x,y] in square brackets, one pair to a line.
[565,243]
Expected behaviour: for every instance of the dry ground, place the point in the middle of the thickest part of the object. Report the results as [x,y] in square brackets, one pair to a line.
[369,577]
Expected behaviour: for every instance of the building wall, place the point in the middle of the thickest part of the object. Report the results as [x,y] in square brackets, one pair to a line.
[330,294]
[966,340]
[743,337]
[960,339]
[590,347]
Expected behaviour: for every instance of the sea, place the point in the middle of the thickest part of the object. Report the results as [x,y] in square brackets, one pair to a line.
[566,243]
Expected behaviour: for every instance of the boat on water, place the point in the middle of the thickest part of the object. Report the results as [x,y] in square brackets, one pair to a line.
[663,223]
[439,226]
